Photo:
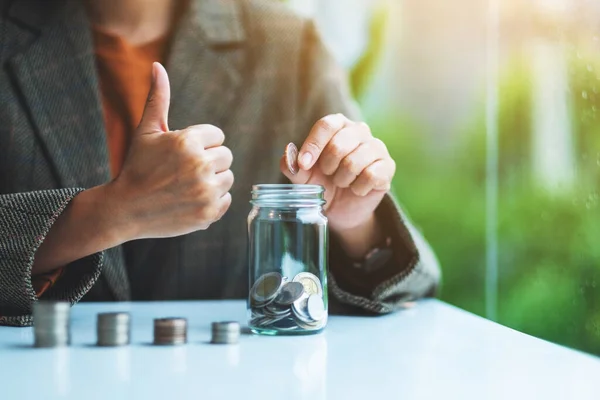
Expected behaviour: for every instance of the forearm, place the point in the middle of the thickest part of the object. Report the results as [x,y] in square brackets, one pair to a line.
[358,241]
[91,223]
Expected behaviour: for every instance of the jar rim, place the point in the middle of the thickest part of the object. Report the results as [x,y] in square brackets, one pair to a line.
[288,195]
[301,189]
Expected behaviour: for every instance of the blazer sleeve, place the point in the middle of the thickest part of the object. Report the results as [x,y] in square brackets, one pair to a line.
[413,271]
[25,220]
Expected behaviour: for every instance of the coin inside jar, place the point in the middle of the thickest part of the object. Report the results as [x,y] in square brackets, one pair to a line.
[299,308]
[266,287]
[290,292]
[291,158]
[315,307]
[311,283]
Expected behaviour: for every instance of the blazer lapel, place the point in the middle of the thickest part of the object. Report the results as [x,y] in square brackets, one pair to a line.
[56,75]
[205,63]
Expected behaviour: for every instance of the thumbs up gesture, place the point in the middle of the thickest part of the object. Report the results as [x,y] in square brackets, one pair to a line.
[172,182]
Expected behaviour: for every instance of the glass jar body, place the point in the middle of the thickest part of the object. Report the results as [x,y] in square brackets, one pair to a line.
[287,262]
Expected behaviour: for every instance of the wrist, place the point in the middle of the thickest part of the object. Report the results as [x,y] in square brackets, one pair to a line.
[113,218]
[358,241]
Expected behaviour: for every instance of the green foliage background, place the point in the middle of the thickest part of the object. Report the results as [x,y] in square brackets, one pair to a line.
[549,243]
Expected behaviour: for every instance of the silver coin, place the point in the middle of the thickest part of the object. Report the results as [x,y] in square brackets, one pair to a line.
[286,324]
[270,320]
[310,326]
[300,309]
[113,318]
[227,332]
[315,306]
[277,313]
[266,288]
[52,341]
[226,326]
[51,324]
[291,158]
[312,284]
[289,293]
[113,329]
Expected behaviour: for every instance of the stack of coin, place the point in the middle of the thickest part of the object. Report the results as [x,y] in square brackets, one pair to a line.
[225,332]
[51,324]
[170,331]
[278,304]
[113,329]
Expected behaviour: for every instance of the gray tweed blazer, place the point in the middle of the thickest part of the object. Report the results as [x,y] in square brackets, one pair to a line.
[250,67]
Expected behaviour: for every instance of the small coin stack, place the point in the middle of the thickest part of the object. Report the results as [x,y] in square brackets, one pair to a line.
[170,331]
[51,324]
[113,329]
[225,332]
[278,304]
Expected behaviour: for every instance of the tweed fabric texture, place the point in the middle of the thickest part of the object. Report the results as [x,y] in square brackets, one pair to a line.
[251,67]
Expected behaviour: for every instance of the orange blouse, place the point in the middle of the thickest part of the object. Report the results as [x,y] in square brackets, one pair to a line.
[124,73]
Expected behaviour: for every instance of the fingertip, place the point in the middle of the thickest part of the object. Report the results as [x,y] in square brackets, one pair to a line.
[305,161]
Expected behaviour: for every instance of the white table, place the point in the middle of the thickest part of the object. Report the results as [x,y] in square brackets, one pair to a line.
[433,351]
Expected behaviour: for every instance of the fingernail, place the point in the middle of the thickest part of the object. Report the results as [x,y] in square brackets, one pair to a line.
[306,159]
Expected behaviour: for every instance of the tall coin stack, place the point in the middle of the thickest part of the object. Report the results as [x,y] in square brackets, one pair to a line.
[51,324]
[113,329]
[225,332]
[170,331]
[282,305]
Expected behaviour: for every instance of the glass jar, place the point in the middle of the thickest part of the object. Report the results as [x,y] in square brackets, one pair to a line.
[287,256]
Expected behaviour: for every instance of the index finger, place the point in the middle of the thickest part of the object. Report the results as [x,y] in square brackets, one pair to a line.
[209,135]
[319,136]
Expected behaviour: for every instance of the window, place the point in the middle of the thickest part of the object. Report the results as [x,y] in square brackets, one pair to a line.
[491,109]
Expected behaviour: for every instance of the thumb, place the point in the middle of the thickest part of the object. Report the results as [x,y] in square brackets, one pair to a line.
[156,112]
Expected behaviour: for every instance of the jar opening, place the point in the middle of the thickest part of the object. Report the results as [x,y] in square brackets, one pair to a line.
[289,195]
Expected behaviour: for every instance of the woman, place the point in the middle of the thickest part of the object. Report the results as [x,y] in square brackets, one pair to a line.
[110,193]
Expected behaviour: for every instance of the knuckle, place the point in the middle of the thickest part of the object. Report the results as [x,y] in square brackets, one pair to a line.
[212,188]
[204,166]
[314,146]
[213,128]
[204,191]
[356,190]
[202,213]
[365,126]
[326,124]
[208,214]
[201,172]
[231,180]
[228,156]
[350,164]
[184,142]
[151,100]
[218,132]
[340,181]
[214,213]
[379,144]
[228,152]
[371,175]
[337,150]
[181,140]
